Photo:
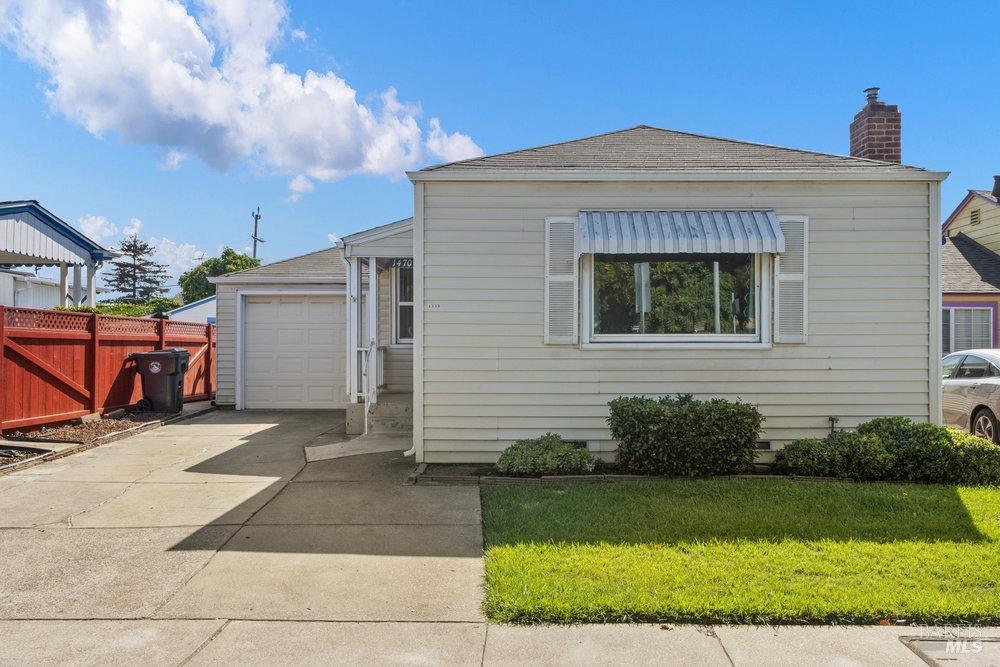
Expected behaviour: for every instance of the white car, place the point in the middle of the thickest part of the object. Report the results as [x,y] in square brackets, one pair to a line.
[971,398]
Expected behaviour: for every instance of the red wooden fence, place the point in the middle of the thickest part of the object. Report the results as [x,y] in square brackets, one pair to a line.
[57,365]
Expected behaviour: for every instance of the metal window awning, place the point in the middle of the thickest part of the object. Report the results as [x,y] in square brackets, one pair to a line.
[628,232]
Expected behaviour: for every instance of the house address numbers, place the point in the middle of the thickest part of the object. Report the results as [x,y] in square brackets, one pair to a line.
[402,262]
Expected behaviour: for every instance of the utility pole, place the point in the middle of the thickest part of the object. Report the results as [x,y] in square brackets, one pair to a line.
[256,239]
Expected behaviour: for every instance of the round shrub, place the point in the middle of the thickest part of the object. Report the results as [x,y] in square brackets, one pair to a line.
[843,454]
[858,456]
[808,457]
[682,436]
[926,453]
[545,455]
[978,459]
[888,429]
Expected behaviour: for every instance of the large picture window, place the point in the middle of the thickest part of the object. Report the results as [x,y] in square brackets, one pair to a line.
[684,297]
[402,299]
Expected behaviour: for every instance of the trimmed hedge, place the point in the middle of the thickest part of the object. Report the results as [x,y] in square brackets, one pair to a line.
[545,455]
[842,454]
[895,448]
[682,436]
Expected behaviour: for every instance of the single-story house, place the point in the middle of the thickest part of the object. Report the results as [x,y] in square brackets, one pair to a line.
[970,272]
[532,287]
[24,289]
[31,235]
[202,310]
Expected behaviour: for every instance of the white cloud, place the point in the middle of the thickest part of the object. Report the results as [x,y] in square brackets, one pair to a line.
[299,35]
[451,147]
[299,186]
[204,83]
[133,227]
[333,238]
[172,160]
[178,257]
[97,228]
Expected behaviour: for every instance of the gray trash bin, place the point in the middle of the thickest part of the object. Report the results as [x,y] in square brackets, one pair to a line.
[162,373]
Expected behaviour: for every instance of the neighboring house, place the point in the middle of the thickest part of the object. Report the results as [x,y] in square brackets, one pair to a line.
[537,285]
[978,217]
[30,235]
[202,310]
[970,273]
[26,290]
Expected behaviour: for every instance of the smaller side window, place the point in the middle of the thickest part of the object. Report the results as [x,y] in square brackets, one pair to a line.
[949,365]
[403,298]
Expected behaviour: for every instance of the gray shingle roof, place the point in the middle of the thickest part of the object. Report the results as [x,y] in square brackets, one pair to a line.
[986,194]
[967,267]
[645,148]
[327,263]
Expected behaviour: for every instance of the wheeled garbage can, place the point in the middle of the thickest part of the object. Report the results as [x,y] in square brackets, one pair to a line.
[162,373]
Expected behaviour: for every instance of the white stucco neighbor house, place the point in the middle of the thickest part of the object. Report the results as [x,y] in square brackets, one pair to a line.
[532,287]
[25,289]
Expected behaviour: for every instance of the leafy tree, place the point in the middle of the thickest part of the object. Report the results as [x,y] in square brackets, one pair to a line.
[194,283]
[135,274]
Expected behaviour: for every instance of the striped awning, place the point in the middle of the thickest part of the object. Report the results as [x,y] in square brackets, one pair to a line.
[628,232]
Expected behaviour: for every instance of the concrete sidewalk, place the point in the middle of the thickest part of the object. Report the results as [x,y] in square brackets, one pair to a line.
[214,541]
[222,641]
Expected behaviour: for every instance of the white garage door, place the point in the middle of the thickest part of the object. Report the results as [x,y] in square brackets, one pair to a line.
[293,352]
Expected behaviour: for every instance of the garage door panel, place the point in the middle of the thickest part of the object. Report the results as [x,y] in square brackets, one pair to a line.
[294,350]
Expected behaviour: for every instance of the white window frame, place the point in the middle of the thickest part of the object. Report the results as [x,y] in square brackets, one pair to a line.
[394,304]
[763,287]
[951,326]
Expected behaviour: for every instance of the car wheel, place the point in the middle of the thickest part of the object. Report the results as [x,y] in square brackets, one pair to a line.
[984,424]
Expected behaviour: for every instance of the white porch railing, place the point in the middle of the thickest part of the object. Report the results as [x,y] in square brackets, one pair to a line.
[371,361]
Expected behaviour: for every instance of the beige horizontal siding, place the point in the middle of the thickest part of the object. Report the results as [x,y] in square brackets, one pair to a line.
[225,345]
[488,379]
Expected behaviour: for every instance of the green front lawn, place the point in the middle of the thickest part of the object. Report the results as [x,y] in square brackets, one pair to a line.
[742,551]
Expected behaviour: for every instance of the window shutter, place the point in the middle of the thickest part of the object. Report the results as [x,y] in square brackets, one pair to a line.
[791,285]
[561,281]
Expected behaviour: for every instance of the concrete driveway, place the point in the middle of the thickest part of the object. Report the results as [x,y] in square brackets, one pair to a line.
[220,517]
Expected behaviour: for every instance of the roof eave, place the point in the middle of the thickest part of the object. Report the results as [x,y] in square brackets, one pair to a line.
[453,175]
[97,252]
[237,279]
[377,233]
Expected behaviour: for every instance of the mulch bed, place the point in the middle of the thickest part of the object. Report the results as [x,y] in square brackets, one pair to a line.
[89,432]
[484,474]
[12,455]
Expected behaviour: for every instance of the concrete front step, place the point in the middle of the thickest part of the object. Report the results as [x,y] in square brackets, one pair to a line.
[390,425]
[392,405]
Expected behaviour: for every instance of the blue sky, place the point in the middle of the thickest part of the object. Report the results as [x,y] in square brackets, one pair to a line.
[507,75]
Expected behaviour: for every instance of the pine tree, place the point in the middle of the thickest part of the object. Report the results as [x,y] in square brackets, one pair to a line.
[135,274]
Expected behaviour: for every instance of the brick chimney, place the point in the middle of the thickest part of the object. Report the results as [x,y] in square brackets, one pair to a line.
[876,130]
